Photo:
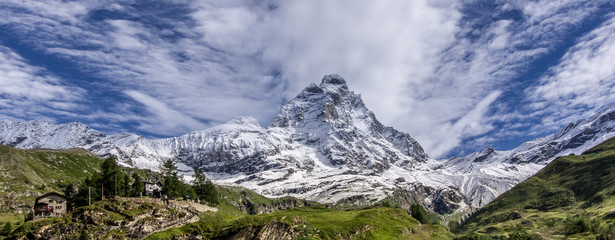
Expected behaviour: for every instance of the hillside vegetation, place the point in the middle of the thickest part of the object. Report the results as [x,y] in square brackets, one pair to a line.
[244,214]
[571,198]
[44,169]
[25,174]
[120,218]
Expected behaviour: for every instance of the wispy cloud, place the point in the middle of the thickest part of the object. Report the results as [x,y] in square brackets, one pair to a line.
[190,66]
[30,92]
[500,47]
[170,120]
[451,73]
[582,82]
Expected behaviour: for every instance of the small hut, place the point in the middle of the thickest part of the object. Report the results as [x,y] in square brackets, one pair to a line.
[152,189]
[50,204]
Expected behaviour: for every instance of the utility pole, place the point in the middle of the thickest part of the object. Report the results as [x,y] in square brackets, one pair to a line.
[102,192]
[89,198]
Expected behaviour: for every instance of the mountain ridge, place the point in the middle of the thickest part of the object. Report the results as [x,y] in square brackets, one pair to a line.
[572,197]
[325,145]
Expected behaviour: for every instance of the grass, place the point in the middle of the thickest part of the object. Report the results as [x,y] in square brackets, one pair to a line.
[319,223]
[315,222]
[45,167]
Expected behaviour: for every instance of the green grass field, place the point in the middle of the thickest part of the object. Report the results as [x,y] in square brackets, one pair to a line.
[314,222]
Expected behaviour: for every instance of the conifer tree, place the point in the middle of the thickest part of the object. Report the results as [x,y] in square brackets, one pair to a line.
[419,213]
[110,176]
[204,188]
[69,192]
[137,185]
[171,185]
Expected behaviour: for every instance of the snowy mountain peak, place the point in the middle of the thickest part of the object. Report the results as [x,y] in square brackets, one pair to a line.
[334,81]
[335,120]
[41,134]
[330,102]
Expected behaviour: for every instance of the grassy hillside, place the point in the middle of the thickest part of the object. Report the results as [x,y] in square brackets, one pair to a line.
[573,197]
[307,220]
[44,168]
[26,173]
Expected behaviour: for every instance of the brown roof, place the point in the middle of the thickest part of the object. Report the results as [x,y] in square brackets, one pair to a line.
[50,193]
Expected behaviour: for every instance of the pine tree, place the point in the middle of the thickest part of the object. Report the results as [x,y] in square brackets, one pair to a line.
[171,185]
[69,192]
[204,188]
[126,188]
[137,185]
[110,173]
[81,197]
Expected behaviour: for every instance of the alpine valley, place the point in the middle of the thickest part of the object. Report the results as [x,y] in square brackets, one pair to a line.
[326,146]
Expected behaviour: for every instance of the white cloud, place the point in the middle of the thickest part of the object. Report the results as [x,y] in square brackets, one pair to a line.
[126,35]
[377,46]
[29,92]
[165,118]
[430,68]
[383,49]
[492,54]
[583,80]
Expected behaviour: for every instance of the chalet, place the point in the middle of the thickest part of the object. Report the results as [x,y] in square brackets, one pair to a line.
[152,189]
[51,204]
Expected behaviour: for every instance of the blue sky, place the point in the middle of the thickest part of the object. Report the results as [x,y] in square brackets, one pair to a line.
[459,76]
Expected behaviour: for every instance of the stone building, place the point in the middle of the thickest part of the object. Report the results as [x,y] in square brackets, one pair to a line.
[152,189]
[51,204]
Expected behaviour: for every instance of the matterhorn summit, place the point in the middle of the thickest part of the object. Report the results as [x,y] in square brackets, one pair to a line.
[335,120]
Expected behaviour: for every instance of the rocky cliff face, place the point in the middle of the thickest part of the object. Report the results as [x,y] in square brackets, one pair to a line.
[335,120]
[271,231]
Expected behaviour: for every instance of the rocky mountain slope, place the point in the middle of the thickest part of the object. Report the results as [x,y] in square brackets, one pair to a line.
[484,175]
[325,145]
[571,198]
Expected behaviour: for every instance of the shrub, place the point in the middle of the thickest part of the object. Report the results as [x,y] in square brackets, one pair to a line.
[520,234]
[420,214]
[6,229]
[555,198]
[607,233]
[576,224]
[595,200]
